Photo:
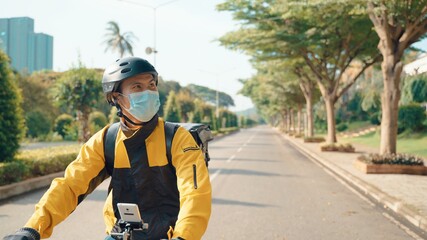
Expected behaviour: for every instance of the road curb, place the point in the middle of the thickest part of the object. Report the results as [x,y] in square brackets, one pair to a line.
[15,189]
[389,201]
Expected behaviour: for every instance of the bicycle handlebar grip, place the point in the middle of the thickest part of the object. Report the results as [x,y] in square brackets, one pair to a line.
[24,234]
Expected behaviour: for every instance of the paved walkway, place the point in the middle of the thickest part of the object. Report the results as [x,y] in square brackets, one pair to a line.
[404,194]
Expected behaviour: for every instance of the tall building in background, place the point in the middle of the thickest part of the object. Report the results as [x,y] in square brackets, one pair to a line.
[43,51]
[28,51]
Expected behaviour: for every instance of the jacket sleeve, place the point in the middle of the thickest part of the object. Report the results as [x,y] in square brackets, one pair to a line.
[194,187]
[81,177]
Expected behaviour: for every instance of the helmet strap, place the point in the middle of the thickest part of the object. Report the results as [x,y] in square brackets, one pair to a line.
[127,119]
[120,114]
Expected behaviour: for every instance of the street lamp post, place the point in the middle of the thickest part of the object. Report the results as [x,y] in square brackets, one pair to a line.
[217,74]
[153,50]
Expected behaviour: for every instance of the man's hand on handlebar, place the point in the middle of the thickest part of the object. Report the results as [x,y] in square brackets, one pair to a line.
[24,234]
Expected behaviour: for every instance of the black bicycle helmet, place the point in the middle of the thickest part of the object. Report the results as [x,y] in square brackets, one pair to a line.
[122,69]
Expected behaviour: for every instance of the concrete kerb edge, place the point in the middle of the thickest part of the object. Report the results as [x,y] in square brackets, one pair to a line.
[394,204]
[15,189]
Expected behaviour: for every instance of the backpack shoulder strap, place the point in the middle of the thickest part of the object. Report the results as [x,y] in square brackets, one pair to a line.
[170,129]
[110,146]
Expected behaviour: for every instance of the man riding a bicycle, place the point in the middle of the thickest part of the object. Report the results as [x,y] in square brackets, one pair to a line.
[173,198]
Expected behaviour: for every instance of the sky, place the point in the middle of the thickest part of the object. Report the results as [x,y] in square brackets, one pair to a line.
[186,34]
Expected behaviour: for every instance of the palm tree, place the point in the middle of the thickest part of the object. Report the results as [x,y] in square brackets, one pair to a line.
[117,41]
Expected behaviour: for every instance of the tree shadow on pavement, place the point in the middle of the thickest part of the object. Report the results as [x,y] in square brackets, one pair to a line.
[220,201]
[213,159]
[248,172]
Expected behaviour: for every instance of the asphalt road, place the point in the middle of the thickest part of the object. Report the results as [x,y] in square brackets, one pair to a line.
[262,189]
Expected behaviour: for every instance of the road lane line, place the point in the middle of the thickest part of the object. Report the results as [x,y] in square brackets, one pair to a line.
[231,158]
[215,174]
[250,139]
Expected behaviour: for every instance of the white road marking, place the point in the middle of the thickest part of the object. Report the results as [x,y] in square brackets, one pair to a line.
[250,139]
[215,174]
[231,158]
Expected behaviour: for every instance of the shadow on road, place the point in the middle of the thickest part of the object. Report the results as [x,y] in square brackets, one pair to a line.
[98,195]
[249,172]
[234,202]
[224,147]
[242,159]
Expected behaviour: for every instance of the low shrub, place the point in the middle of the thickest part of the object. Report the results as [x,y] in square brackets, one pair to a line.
[45,161]
[35,163]
[38,124]
[342,127]
[49,164]
[228,130]
[375,118]
[314,139]
[97,120]
[298,135]
[397,159]
[11,172]
[411,116]
[336,147]
[61,123]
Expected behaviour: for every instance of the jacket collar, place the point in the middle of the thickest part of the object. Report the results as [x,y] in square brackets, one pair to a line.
[142,132]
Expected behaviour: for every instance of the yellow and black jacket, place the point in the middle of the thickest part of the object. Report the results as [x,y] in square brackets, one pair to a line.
[169,199]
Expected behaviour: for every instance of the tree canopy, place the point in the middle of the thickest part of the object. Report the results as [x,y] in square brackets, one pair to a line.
[79,90]
[209,95]
[11,117]
[116,41]
[331,37]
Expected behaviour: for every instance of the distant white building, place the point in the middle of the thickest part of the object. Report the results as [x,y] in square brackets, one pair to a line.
[416,67]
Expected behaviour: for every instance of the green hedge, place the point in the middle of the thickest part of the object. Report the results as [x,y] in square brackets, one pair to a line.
[50,164]
[411,116]
[11,172]
[35,163]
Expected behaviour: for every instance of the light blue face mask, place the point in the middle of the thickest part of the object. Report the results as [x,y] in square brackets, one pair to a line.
[144,105]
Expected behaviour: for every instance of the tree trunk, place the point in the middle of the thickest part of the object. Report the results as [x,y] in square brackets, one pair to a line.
[330,117]
[84,131]
[310,120]
[283,124]
[299,115]
[292,118]
[390,97]
[85,126]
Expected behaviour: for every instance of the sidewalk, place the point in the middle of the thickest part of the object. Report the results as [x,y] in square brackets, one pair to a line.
[404,194]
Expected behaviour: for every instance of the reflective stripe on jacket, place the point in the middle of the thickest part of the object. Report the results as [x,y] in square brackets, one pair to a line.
[150,181]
